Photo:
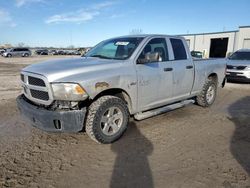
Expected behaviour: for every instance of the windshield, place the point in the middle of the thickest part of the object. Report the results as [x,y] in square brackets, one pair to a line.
[240,56]
[120,48]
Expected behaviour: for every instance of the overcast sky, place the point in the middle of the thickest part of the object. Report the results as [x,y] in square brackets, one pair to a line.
[62,23]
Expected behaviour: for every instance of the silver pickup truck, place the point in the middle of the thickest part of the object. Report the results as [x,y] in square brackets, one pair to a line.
[137,76]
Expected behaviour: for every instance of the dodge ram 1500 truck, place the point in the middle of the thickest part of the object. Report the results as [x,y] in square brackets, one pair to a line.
[138,76]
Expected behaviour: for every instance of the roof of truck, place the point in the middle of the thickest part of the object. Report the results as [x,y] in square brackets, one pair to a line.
[148,35]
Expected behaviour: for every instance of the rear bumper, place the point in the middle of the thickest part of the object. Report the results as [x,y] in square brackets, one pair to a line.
[51,121]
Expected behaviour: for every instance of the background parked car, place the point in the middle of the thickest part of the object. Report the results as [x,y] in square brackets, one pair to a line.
[42,52]
[53,52]
[72,52]
[61,52]
[238,66]
[2,51]
[68,52]
[196,54]
[76,52]
[23,52]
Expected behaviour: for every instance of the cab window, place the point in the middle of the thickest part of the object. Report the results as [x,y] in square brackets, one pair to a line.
[156,45]
[178,49]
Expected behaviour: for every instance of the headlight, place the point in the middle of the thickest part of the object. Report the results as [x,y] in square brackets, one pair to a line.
[68,91]
[248,68]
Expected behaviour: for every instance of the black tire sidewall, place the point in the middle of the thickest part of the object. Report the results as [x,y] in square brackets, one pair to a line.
[100,136]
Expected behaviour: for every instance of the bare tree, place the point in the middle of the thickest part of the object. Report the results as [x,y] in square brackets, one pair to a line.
[71,47]
[20,44]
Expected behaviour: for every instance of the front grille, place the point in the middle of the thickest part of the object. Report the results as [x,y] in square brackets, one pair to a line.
[36,88]
[41,95]
[236,67]
[36,81]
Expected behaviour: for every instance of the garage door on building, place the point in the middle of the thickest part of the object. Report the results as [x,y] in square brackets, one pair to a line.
[246,43]
[218,47]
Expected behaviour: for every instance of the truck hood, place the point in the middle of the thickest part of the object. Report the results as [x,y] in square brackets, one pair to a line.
[238,62]
[56,70]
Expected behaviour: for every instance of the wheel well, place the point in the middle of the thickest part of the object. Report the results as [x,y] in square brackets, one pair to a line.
[213,76]
[118,93]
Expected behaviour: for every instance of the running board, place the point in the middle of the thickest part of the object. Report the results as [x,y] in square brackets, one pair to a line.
[148,114]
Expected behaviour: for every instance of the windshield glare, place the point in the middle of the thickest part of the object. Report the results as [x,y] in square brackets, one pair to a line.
[240,56]
[120,48]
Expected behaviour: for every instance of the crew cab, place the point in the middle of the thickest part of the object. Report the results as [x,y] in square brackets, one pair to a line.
[131,76]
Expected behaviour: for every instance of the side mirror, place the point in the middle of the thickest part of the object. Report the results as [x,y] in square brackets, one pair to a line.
[150,57]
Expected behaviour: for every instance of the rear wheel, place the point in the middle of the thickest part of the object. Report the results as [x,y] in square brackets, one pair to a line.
[208,94]
[107,119]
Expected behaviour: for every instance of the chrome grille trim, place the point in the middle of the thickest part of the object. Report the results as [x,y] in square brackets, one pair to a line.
[42,95]
[36,93]
[36,81]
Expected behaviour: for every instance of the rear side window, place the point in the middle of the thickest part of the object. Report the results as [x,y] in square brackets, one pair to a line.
[178,49]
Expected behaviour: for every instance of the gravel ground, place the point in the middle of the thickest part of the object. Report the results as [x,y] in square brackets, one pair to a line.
[188,147]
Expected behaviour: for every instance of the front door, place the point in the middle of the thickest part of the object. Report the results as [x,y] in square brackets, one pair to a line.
[155,79]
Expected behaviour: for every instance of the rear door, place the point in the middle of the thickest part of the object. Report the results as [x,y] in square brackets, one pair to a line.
[183,69]
[15,52]
[155,78]
[19,51]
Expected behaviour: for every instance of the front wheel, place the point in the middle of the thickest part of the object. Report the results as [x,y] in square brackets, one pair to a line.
[208,94]
[107,119]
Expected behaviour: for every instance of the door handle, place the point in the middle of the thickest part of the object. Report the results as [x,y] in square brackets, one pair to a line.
[189,67]
[168,69]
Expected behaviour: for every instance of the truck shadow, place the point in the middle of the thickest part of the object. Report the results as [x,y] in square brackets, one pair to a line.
[131,167]
[240,141]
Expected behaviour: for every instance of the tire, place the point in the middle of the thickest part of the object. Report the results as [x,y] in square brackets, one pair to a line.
[9,55]
[102,123]
[25,55]
[208,94]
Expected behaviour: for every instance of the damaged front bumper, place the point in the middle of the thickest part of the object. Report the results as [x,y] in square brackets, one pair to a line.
[50,120]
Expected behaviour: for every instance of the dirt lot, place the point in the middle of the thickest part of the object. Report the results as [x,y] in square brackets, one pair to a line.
[189,147]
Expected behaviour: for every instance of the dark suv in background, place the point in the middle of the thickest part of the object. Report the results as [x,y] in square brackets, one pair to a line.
[11,52]
[42,52]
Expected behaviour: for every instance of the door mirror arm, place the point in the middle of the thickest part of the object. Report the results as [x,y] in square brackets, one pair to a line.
[150,57]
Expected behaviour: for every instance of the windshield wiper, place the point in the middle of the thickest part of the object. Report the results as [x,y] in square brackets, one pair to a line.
[101,56]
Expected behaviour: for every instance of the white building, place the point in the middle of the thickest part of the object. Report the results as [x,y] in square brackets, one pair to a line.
[219,44]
